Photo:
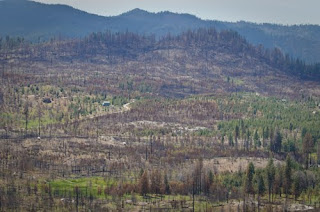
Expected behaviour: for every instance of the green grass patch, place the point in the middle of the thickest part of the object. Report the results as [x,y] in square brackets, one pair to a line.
[85,185]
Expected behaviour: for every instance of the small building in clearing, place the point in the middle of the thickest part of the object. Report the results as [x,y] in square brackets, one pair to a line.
[106,103]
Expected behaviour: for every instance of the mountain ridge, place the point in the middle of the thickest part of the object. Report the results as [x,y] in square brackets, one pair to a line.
[36,21]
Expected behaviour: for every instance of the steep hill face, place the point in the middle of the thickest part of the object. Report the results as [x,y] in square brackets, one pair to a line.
[34,20]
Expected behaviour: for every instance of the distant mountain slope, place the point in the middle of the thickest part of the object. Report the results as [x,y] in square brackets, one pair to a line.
[33,20]
[301,41]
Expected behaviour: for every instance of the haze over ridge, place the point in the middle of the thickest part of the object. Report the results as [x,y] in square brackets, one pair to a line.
[272,11]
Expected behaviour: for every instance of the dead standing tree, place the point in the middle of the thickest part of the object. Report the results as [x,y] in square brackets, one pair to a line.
[26,114]
[39,119]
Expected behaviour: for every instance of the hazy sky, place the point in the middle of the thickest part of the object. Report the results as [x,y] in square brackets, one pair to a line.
[271,11]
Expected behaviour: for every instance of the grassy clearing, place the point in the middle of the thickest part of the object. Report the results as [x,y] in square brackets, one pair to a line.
[90,185]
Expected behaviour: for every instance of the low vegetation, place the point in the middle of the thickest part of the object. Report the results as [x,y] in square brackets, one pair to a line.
[188,127]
